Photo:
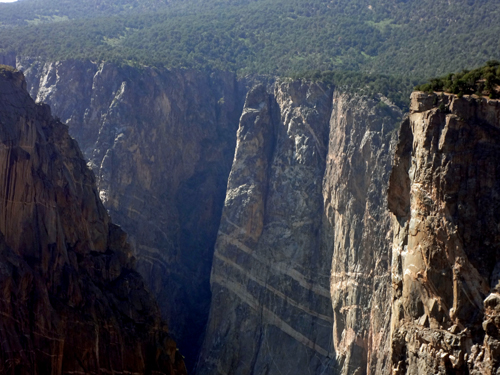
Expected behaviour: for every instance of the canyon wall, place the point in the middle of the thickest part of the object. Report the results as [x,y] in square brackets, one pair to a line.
[363,135]
[306,195]
[270,295]
[161,144]
[71,301]
[445,196]
[310,272]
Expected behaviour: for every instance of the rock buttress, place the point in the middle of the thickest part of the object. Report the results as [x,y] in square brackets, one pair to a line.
[445,196]
[357,229]
[271,309]
[70,299]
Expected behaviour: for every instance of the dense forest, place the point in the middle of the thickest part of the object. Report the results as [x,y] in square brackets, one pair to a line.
[395,42]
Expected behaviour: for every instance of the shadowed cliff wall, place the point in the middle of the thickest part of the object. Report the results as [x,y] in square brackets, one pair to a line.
[305,274]
[161,144]
[71,301]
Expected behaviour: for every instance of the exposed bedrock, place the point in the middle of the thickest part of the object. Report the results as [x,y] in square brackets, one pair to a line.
[161,144]
[271,309]
[357,230]
[445,196]
[305,246]
[70,299]
[308,182]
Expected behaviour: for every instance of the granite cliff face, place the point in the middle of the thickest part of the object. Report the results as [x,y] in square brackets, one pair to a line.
[306,195]
[445,196]
[161,144]
[270,294]
[308,182]
[310,273]
[70,299]
[357,228]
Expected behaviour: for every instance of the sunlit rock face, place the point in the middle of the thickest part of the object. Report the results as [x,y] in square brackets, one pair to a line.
[300,277]
[270,293]
[445,196]
[161,144]
[285,192]
[304,225]
[361,146]
[71,301]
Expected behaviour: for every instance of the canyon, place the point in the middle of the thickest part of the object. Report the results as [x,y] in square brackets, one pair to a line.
[71,301]
[296,227]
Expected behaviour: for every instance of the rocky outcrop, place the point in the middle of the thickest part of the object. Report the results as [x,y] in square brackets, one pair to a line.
[357,229]
[308,182]
[306,245]
[70,300]
[161,144]
[445,196]
[271,310]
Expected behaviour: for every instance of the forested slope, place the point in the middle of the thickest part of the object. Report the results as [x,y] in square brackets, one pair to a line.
[401,38]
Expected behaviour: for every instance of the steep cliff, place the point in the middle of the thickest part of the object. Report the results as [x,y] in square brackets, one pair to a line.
[445,196]
[70,301]
[305,243]
[357,230]
[308,182]
[270,294]
[161,144]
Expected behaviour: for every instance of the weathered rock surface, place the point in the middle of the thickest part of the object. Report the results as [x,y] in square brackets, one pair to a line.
[445,196]
[357,230]
[271,309]
[70,300]
[306,245]
[308,181]
[161,144]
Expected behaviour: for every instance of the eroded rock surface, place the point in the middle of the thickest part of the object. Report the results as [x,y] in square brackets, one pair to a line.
[357,229]
[71,301]
[161,144]
[308,183]
[445,196]
[305,246]
[271,310]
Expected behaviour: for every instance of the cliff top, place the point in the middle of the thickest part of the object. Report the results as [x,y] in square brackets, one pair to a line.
[6,70]
[483,81]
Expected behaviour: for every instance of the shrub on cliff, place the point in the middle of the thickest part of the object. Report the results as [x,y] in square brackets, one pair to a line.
[481,81]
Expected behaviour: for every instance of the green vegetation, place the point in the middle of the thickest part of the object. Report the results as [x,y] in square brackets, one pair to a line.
[396,89]
[397,41]
[22,12]
[481,81]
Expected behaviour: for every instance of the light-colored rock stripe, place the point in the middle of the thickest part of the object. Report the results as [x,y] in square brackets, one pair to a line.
[294,274]
[274,291]
[271,318]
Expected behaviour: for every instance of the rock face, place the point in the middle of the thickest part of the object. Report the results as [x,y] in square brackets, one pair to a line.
[357,230]
[270,294]
[306,246]
[70,300]
[304,226]
[445,196]
[161,144]
[308,181]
